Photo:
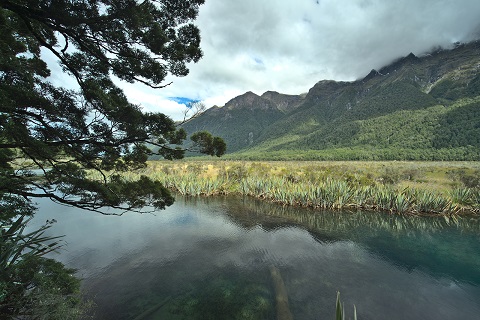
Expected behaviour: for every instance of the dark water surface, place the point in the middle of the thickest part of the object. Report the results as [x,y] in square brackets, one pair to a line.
[212,258]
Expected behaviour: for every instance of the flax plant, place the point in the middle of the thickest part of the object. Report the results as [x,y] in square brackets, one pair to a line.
[430,203]
[311,185]
[461,196]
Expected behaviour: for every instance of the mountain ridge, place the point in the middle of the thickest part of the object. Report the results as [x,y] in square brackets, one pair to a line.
[333,114]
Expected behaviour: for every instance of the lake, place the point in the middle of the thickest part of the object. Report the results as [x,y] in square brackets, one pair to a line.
[218,258]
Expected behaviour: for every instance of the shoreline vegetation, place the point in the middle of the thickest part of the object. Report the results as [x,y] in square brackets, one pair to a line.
[420,188]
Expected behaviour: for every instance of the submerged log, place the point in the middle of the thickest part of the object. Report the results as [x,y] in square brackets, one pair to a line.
[281,296]
[149,312]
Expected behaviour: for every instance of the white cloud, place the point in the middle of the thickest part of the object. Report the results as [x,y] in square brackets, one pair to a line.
[151,101]
[301,42]
[288,45]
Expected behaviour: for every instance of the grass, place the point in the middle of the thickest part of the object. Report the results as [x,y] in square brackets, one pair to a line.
[398,187]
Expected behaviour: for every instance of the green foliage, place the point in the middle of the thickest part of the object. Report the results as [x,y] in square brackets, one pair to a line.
[399,95]
[448,89]
[53,291]
[473,88]
[12,206]
[460,127]
[193,185]
[462,196]
[207,144]
[359,153]
[427,202]
[63,133]
[340,309]
[33,286]
[435,133]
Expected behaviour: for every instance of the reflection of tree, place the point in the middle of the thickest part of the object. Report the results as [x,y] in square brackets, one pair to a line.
[431,244]
[251,212]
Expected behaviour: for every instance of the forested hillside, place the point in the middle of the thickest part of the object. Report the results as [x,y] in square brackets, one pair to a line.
[416,108]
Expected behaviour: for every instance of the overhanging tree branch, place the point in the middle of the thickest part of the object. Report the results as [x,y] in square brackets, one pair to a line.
[96,128]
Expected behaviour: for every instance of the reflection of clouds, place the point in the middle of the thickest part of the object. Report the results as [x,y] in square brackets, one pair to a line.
[189,243]
[103,239]
[94,241]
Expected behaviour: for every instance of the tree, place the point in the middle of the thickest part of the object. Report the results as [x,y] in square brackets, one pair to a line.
[65,133]
[193,109]
[52,137]
[204,142]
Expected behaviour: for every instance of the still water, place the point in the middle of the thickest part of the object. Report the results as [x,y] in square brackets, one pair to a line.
[212,258]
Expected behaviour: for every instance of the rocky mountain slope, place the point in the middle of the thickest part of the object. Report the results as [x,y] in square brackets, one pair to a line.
[415,108]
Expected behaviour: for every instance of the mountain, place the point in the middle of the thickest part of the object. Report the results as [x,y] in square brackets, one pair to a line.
[240,122]
[417,107]
[284,102]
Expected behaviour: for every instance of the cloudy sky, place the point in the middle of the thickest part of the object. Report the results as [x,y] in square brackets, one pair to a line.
[289,45]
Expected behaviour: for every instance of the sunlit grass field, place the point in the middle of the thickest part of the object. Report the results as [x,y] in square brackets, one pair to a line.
[396,186]
[435,176]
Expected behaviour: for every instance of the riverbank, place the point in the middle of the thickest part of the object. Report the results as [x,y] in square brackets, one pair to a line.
[447,188]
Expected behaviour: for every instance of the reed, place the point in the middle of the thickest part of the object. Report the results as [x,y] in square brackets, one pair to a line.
[476,200]
[314,185]
[340,309]
[462,196]
[401,203]
[427,202]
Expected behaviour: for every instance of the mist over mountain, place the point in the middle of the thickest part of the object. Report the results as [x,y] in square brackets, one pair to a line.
[417,107]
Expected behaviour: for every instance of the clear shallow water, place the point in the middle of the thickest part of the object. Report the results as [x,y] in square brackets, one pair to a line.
[211,259]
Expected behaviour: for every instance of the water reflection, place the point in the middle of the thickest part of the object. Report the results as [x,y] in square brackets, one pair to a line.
[204,257]
[431,244]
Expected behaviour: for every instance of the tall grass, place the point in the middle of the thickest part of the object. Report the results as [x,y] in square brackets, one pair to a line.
[320,186]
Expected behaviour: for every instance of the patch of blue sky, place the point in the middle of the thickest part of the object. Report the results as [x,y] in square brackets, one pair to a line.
[182,100]
[258,60]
